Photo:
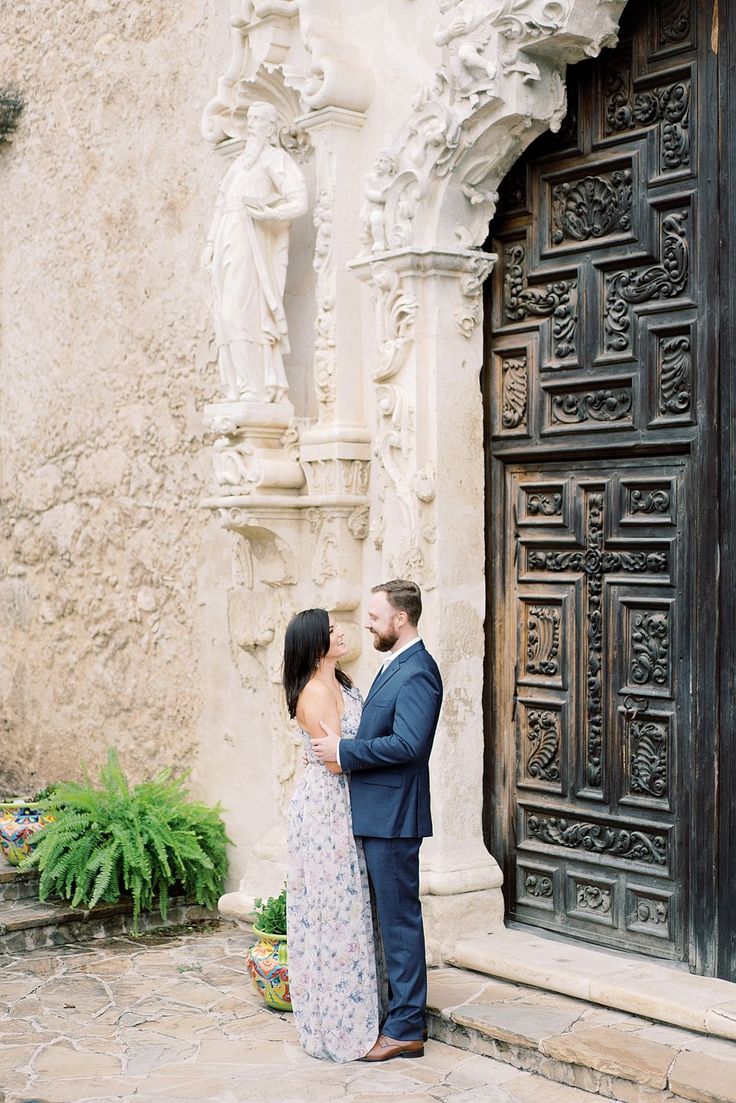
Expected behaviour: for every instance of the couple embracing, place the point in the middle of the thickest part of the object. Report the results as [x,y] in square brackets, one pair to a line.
[357,968]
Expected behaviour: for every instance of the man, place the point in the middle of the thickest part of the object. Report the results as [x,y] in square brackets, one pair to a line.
[388,763]
[247,252]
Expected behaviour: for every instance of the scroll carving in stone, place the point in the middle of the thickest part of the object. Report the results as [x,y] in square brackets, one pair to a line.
[396,310]
[247,254]
[499,83]
[325,325]
[336,76]
[522,22]
[471,288]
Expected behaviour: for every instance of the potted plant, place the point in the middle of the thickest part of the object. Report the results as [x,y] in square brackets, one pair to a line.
[268,958]
[145,841]
[21,818]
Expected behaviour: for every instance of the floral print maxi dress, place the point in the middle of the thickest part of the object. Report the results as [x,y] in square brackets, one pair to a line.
[332,946]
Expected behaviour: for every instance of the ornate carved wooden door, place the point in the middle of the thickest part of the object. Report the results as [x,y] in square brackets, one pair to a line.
[596,355]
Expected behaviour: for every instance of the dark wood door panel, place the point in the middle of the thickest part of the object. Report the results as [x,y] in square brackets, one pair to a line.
[596,375]
[595,619]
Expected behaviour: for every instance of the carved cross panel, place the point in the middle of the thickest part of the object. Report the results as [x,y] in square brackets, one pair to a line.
[595,611]
[593,373]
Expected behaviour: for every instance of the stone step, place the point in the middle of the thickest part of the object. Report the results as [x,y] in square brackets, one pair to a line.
[27,924]
[625,982]
[579,1044]
[17,884]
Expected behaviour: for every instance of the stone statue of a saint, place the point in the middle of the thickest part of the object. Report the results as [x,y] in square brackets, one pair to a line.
[247,254]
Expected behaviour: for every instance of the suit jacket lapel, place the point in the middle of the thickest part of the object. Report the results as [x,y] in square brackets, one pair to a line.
[381,678]
[383,675]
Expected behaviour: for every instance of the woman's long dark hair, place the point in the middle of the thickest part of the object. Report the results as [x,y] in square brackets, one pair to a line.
[306,643]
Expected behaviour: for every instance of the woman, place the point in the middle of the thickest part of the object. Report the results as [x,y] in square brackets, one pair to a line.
[332,956]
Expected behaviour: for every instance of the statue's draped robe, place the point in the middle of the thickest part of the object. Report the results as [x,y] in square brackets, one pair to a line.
[249,272]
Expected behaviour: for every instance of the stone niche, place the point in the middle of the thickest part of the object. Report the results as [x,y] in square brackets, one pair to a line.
[405,115]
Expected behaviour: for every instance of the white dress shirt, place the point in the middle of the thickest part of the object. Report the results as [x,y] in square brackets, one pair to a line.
[395,654]
[386,663]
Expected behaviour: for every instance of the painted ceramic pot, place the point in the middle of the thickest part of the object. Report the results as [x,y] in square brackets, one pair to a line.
[268,966]
[19,822]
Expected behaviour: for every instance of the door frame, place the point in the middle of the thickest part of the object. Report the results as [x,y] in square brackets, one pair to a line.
[725,821]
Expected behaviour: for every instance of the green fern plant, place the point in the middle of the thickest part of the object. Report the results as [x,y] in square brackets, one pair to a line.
[149,841]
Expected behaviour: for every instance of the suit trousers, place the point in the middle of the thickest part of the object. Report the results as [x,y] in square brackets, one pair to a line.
[393,871]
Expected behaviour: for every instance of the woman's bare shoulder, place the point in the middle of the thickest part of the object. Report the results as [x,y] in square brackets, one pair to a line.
[315,692]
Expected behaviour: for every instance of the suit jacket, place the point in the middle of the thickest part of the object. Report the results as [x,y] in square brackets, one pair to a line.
[388,761]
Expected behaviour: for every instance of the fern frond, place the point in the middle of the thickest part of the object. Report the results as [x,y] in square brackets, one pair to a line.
[149,840]
[104,861]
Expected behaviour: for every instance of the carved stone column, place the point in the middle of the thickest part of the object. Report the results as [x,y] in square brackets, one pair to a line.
[429,524]
[336,450]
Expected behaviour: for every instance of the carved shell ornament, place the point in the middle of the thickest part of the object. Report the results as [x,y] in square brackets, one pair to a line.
[592,207]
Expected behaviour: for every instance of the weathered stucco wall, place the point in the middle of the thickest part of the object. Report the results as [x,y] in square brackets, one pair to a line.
[105,192]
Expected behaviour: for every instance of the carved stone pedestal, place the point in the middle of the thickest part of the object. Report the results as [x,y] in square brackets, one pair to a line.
[249,452]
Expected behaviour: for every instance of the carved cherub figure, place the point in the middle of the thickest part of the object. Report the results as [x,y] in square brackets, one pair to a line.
[465,35]
[375,190]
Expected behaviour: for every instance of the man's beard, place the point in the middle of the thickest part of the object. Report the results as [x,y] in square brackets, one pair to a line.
[384,643]
[252,149]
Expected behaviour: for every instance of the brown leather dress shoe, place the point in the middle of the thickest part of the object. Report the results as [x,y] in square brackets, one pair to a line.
[386,1048]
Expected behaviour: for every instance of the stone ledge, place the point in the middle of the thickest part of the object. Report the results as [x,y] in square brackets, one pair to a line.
[30,925]
[577,1043]
[21,915]
[17,884]
[10,873]
[623,982]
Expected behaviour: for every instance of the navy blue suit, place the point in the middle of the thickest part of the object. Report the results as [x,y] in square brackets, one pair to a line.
[388,763]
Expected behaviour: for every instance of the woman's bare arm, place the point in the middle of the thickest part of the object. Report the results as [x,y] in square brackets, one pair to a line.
[317,704]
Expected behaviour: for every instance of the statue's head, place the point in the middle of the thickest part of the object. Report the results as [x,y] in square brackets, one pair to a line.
[385,162]
[263,122]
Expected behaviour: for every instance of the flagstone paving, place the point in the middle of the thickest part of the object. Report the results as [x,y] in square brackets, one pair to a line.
[173,1018]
